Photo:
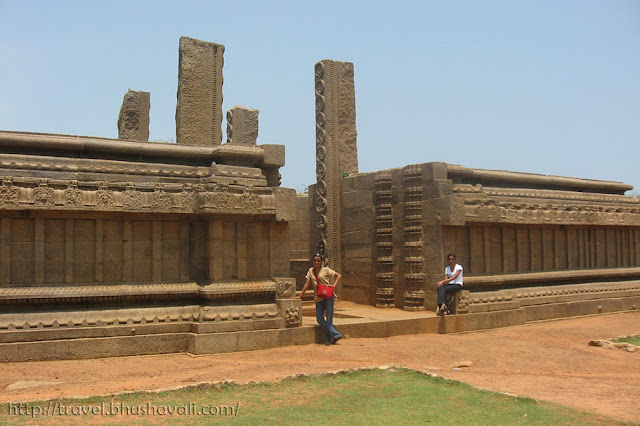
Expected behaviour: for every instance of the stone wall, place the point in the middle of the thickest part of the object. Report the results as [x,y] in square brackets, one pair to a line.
[358,217]
[490,249]
[48,250]
[300,242]
[299,229]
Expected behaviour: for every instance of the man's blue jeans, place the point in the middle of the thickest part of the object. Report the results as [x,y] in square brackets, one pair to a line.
[330,332]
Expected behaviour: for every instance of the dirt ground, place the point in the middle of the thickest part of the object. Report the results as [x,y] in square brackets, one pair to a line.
[549,361]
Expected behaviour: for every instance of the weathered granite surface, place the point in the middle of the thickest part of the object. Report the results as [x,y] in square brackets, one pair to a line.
[133,121]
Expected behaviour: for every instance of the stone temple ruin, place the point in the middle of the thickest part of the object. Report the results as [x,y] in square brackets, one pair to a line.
[533,246]
[123,247]
[114,247]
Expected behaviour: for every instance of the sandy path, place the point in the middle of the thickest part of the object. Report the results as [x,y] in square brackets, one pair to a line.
[548,361]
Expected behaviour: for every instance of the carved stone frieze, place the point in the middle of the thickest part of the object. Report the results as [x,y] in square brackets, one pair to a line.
[95,293]
[60,320]
[229,290]
[509,212]
[105,167]
[239,312]
[74,195]
[225,201]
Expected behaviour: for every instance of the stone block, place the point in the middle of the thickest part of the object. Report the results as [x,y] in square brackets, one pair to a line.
[263,339]
[133,121]
[364,295]
[356,199]
[268,324]
[199,107]
[54,251]
[273,155]
[297,336]
[279,266]
[359,181]
[286,205]
[358,237]
[362,264]
[22,230]
[359,219]
[242,125]
[291,311]
[199,344]
[358,250]
[54,272]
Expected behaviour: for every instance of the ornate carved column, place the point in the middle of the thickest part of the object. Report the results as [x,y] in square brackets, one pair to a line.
[336,150]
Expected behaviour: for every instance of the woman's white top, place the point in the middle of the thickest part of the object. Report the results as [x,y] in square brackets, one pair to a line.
[456,268]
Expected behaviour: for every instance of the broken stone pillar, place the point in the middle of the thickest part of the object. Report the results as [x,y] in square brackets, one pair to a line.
[336,149]
[133,121]
[242,125]
[199,108]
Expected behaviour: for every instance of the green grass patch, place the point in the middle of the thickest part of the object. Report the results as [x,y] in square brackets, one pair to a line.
[635,340]
[364,397]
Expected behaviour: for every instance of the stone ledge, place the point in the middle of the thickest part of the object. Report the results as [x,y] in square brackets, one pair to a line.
[524,278]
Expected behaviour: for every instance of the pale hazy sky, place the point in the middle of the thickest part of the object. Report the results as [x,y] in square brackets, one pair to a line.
[540,86]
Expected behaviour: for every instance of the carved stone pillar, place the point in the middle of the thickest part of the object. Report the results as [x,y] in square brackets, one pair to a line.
[336,150]
[385,296]
[413,232]
[199,108]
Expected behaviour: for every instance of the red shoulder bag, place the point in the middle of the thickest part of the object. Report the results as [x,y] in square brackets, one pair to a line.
[323,291]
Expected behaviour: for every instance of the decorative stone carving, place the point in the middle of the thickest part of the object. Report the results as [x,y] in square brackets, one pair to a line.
[292,316]
[132,199]
[160,199]
[105,197]
[414,300]
[413,261]
[73,196]
[229,290]
[384,242]
[385,297]
[8,193]
[336,149]
[285,288]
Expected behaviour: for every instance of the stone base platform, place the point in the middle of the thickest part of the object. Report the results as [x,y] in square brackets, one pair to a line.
[493,309]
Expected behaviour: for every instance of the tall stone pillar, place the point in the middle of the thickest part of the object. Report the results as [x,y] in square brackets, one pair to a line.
[336,150]
[199,108]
